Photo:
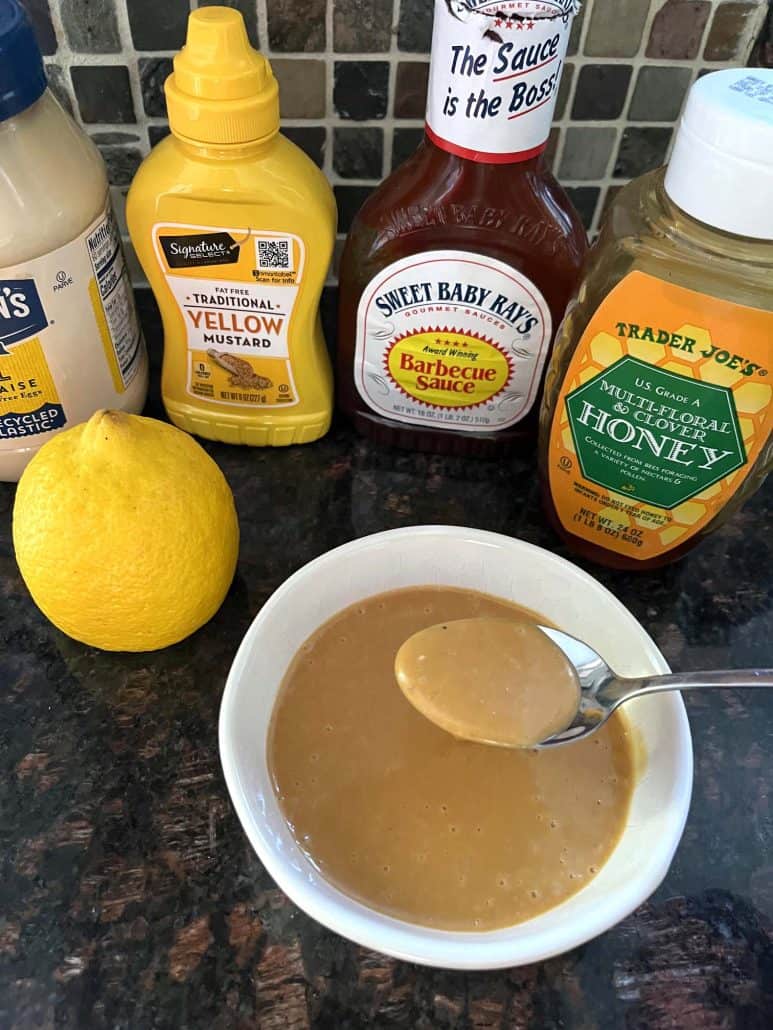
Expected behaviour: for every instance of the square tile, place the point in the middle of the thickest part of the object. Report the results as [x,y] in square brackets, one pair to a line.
[564,88]
[103,93]
[301,86]
[405,142]
[729,31]
[156,133]
[122,163]
[40,16]
[350,199]
[154,72]
[311,139]
[361,26]
[414,32]
[642,149]
[108,138]
[616,28]
[552,148]
[411,89]
[248,10]
[601,91]
[677,29]
[358,153]
[91,26]
[118,200]
[576,31]
[587,151]
[360,89]
[659,93]
[296,25]
[585,200]
[158,24]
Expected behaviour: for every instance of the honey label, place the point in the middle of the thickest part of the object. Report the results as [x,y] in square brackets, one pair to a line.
[494,76]
[451,339]
[69,335]
[236,291]
[664,409]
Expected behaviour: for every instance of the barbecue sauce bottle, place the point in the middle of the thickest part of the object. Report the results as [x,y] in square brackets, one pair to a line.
[458,269]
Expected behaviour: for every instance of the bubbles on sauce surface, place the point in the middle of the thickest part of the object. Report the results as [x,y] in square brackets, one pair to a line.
[422,862]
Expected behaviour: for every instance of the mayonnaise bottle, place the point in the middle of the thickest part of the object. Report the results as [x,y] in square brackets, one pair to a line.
[70,340]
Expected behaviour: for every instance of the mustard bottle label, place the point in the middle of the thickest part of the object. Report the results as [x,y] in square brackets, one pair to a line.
[663,411]
[452,339]
[236,290]
[70,340]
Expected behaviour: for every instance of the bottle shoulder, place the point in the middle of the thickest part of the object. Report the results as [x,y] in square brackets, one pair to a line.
[644,231]
[278,174]
[437,200]
[54,182]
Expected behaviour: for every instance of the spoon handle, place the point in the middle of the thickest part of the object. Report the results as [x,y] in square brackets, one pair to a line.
[701,681]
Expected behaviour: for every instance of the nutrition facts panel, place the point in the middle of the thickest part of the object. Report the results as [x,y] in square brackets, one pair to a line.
[115,293]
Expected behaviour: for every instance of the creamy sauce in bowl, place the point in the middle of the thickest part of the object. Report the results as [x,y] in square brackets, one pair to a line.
[412,822]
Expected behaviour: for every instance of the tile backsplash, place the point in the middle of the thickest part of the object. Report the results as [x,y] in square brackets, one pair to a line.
[353,77]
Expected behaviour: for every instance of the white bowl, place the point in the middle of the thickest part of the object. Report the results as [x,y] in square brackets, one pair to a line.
[510,569]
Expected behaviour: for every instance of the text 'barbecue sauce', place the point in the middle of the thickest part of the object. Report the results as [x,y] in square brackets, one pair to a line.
[458,269]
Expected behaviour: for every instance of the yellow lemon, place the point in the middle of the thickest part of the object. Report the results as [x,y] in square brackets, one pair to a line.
[125,533]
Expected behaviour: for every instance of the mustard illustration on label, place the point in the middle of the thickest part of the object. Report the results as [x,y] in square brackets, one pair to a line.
[235,290]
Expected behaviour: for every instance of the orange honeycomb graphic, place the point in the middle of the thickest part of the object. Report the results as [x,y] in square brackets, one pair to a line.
[631,302]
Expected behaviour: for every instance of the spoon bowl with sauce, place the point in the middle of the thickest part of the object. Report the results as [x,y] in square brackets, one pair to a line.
[518,684]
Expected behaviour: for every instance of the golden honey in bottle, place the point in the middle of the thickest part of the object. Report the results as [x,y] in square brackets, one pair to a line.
[656,421]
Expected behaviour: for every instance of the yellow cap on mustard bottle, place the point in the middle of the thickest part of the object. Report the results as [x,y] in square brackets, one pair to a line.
[222,90]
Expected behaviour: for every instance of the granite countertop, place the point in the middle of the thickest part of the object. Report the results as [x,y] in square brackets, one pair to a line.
[130,898]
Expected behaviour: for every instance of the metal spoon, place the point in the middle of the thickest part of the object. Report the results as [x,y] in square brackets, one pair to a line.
[602,690]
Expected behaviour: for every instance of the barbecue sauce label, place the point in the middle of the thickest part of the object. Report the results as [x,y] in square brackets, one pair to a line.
[451,339]
[235,290]
[664,409]
[494,76]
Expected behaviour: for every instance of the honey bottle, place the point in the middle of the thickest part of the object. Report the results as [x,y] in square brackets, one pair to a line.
[656,422]
[459,267]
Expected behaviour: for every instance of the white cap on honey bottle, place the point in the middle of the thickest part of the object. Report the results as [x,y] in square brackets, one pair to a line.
[721,170]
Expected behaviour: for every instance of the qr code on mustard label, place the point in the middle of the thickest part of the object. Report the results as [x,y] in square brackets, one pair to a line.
[276,254]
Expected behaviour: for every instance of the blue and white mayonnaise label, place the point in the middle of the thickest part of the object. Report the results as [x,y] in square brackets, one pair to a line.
[70,341]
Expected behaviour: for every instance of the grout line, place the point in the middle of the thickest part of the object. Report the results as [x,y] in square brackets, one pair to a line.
[133,64]
[386,165]
[327,162]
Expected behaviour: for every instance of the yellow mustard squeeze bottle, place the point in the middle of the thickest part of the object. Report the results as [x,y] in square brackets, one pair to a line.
[658,410]
[235,228]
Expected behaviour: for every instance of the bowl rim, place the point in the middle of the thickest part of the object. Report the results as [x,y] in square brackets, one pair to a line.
[357,922]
